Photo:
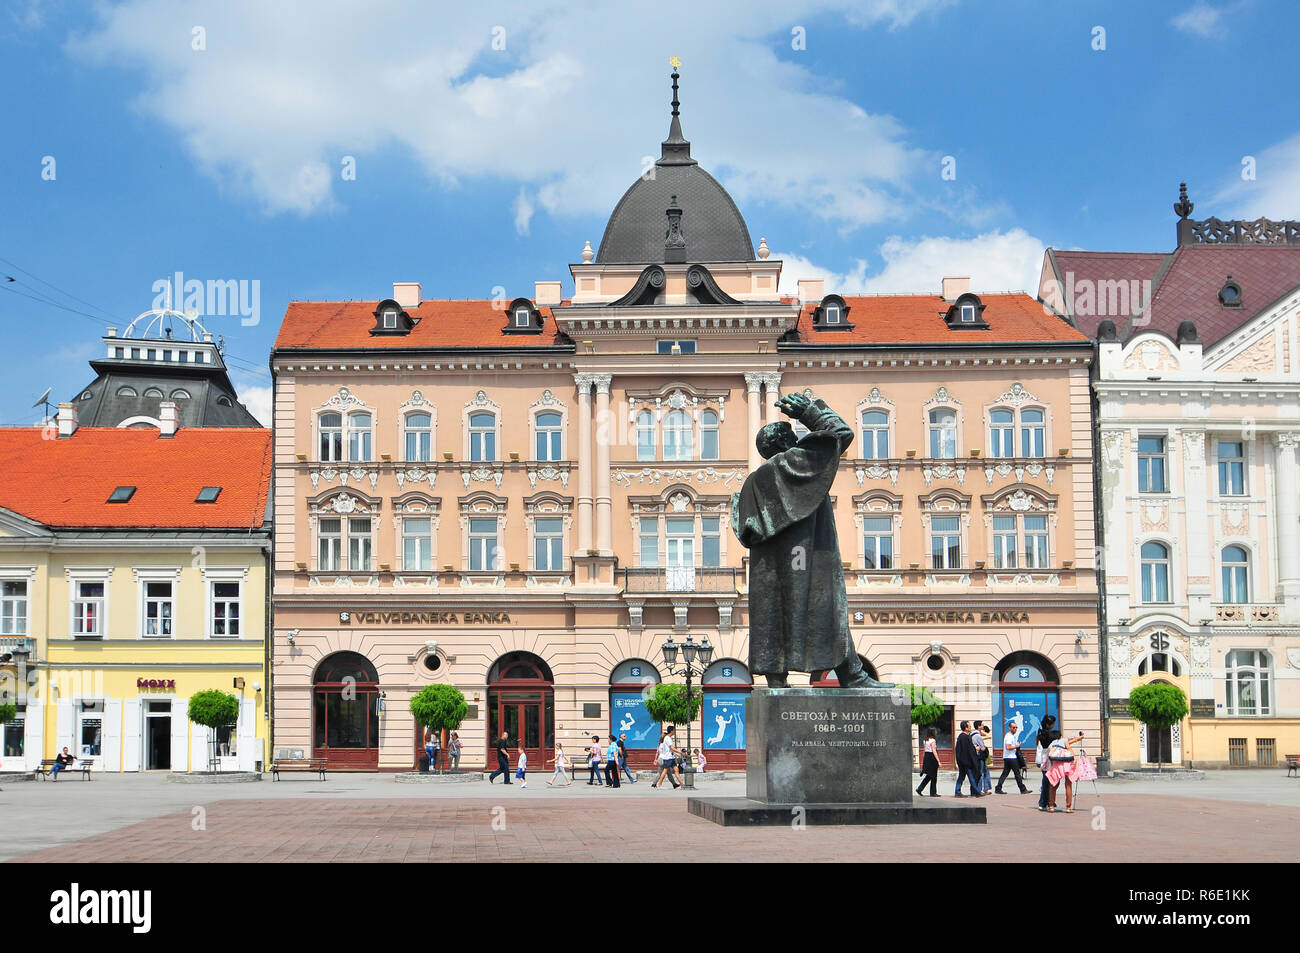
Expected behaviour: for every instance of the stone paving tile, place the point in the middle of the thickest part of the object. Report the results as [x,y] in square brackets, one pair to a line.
[1138,828]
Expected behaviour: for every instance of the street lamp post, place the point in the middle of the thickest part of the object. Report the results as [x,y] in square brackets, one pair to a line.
[691,654]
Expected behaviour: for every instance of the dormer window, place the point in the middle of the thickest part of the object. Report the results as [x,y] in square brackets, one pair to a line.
[966,313]
[524,318]
[832,315]
[391,318]
[1230,294]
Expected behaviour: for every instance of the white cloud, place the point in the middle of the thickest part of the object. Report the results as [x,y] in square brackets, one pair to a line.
[283,91]
[1201,19]
[995,261]
[1274,192]
[258,402]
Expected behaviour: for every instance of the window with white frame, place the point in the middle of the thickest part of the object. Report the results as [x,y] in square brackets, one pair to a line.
[13,607]
[1033,433]
[331,437]
[1155,572]
[329,553]
[482,437]
[679,539]
[645,435]
[710,541]
[1160,662]
[227,611]
[1020,542]
[1151,465]
[875,435]
[359,542]
[968,314]
[1232,469]
[523,317]
[484,551]
[831,314]
[548,543]
[1004,542]
[710,448]
[88,605]
[417,543]
[679,443]
[419,437]
[1002,434]
[159,609]
[390,319]
[359,439]
[1035,541]
[878,542]
[943,433]
[648,536]
[945,542]
[1248,682]
[550,435]
[1234,567]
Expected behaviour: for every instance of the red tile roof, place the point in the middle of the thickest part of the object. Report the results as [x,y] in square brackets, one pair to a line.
[66,482]
[347,324]
[919,319]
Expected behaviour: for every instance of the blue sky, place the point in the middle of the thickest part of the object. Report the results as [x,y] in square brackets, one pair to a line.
[490,143]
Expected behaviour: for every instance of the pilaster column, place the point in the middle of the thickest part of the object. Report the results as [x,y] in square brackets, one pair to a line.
[603,434]
[772,392]
[1287,481]
[583,437]
[754,418]
[1196,532]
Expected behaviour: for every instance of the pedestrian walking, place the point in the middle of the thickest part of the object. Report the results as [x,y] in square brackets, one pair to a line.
[1046,735]
[930,764]
[561,766]
[983,738]
[667,760]
[521,773]
[1011,758]
[622,758]
[502,745]
[453,753]
[593,762]
[968,765]
[612,767]
[699,760]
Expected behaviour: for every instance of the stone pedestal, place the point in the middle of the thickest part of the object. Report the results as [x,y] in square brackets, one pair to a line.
[829,756]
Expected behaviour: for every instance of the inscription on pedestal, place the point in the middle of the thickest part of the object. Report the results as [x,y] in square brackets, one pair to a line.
[828,746]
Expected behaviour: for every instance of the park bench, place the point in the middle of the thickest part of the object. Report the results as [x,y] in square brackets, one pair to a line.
[1293,765]
[81,764]
[316,765]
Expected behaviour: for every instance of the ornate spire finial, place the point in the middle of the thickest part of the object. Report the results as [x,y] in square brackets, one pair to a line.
[676,150]
[1182,207]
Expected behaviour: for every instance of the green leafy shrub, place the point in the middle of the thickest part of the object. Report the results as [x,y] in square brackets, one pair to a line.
[670,703]
[1158,706]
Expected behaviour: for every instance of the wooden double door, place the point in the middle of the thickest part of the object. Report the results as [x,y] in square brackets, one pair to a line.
[529,716]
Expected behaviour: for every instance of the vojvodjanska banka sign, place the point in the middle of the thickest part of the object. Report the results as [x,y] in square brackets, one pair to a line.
[427,618]
[957,617]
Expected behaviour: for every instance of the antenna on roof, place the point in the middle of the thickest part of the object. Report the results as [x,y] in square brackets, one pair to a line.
[44,400]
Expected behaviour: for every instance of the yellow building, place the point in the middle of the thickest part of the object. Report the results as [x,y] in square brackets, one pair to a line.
[133,575]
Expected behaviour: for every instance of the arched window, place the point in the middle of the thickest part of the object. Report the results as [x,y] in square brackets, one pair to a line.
[709,447]
[645,435]
[224,402]
[1235,566]
[127,391]
[875,435]
[331,437]
[1155,572]
[1033,433]
[678,437]
[482,437]
[180,393]
[550,436]
[943,434]
[1002,436]
[1248,682]
[1160,662]
[419,436]
[359,437]
[153,392]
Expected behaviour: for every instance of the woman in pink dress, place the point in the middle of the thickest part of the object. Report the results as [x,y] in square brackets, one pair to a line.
[1063,765]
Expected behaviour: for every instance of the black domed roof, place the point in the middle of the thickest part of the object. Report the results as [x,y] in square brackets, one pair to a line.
[711,223]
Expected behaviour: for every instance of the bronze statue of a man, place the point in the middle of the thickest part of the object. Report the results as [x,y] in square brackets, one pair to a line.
[798,608]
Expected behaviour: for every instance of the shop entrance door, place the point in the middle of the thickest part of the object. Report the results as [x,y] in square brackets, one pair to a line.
[158,736]
[528,716]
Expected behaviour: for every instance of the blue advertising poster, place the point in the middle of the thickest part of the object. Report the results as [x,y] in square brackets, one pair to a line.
[627,714]
[723,720]
[1027,709]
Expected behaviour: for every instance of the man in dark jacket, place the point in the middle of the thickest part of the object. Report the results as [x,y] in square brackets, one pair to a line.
[502,745]
[968,763]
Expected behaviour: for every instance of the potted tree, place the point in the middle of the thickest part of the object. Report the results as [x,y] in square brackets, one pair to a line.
[926,708]
[439,708]
[213,709]
[1158,706]
[672,704]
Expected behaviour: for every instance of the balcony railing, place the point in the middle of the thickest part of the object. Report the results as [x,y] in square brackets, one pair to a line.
[705,579]
[1246,613]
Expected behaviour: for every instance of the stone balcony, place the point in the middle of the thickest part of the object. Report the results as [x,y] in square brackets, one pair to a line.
[1248,613]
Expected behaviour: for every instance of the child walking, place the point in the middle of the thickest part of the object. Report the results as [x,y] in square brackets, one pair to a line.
[522,772]
[561,763]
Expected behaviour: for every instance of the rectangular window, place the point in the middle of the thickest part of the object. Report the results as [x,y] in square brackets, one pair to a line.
[645,436]
[832,313]
[1002,437]
[226,610]
[331,438]
[649,541]
[483,548]
[1151,465]
[1155,581]
[13,608]
[330,535]
[1035,542]
[943,434]
[1004,542]
[417,544]
[359,438]
[1232,469]
[710,541]
[878,542]
[945,542]
[968,314]
[684,347]
[158,610]
[680,539]
[1033,433]
[358,544]
[88,610]
[419,444]
[548,543]
[390,319]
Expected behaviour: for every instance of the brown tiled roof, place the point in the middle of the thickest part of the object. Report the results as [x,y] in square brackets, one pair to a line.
[439,324]
[1102,266]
